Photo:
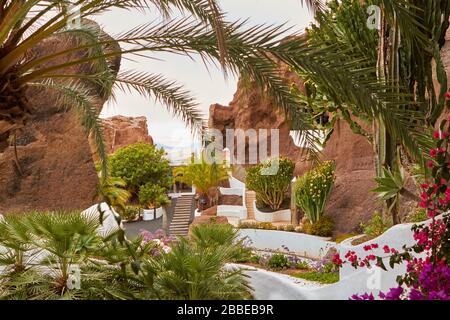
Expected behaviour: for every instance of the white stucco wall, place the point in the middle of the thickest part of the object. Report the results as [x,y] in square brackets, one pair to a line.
[300,243]
[270,285]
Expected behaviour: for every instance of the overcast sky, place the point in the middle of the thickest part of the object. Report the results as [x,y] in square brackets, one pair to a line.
[208,86]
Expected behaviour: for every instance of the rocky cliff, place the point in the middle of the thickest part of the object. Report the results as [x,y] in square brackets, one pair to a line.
[53,150]
[121,131]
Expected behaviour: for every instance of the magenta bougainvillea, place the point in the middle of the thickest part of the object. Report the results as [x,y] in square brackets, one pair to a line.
[428,271]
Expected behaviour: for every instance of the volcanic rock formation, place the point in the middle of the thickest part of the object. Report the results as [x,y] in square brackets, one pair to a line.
[121,131]
[53,150]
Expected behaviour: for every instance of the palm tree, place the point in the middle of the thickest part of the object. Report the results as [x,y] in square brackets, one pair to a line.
[204,32]
[51,247]
[204,176]
[60,256]
[196,269]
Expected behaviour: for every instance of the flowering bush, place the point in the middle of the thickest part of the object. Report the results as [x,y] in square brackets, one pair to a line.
[313,189]
[278,261]
[428,272]
[270,188]
[159,239]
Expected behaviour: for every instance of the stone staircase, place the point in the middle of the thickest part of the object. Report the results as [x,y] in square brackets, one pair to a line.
[182,216]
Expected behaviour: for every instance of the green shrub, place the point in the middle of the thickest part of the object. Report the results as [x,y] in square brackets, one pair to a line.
[139,164]
[303,265]
[271,187]
[322,228]
[254,258]
[313,189]
[326,278]
[289,228]
[418,215]
[130,213]
[257,225]
[278,261]
[376,226]
[213,236]
[153,196]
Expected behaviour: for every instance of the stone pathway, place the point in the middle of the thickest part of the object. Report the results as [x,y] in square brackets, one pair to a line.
[182,216]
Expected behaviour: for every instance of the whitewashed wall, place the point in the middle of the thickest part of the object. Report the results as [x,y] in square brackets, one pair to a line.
[269,285]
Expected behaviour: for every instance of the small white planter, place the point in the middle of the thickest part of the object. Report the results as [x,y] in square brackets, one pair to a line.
[277,216]
[149,214]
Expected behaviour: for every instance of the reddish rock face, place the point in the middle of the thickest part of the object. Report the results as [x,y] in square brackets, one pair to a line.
[230,200]
[250,109]
[351,201]
[210,212]
[209,220]
[53,150]
[121,131]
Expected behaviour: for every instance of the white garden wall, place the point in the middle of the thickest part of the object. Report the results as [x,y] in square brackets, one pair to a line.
[306,245]
[270,285]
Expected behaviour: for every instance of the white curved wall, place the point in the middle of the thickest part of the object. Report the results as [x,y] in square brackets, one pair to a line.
[269,285]
[300,243]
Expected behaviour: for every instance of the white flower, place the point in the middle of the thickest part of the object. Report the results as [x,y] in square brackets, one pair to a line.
[167,249]
[157,242]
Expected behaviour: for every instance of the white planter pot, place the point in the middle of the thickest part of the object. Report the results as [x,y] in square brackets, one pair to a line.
[277,216]
[149,214]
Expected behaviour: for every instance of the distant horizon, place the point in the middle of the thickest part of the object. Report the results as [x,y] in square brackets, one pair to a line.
[209,86]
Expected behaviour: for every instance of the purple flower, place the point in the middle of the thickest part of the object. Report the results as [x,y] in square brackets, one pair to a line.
[364,296]
[393,294]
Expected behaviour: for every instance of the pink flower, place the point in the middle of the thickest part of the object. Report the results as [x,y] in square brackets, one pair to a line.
[337,260]
[371,257]
[433,153]
[447,95]
[430,164]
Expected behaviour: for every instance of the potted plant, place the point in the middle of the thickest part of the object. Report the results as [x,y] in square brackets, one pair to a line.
[271,180]
[130,213]
[153,198]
